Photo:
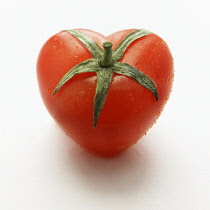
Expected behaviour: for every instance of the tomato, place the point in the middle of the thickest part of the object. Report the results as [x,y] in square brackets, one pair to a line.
[127,110]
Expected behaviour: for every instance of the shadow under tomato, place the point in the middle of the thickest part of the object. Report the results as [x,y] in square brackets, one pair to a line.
[127,172]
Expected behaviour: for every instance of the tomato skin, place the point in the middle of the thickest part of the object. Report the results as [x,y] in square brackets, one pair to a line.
[129,110]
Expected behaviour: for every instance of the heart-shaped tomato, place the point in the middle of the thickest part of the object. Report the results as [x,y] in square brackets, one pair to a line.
[105,97]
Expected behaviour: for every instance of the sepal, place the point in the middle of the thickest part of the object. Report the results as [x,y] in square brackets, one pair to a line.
[90,65]
[138,76]
[91,45]
[131,37]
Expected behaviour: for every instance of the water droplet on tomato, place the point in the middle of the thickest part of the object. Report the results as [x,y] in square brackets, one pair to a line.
[82,92]
[49,90]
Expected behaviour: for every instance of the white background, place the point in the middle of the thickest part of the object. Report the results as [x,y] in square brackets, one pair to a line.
[168,169]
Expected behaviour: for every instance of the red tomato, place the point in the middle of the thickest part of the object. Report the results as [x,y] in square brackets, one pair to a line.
[129,109]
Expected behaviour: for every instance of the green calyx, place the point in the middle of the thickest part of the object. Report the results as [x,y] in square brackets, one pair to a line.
[104,63]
